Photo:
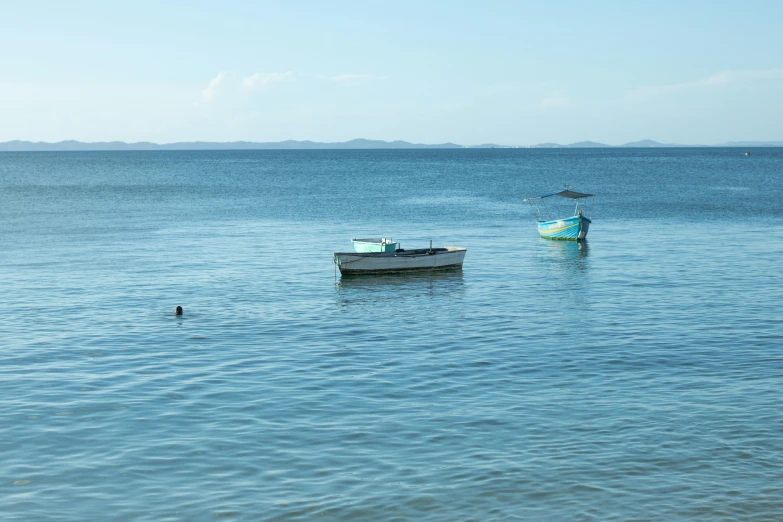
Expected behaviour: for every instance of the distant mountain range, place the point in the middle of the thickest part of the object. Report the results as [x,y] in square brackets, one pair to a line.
[650,143]
[71,145]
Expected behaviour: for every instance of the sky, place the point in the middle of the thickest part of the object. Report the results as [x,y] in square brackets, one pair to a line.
[511,73]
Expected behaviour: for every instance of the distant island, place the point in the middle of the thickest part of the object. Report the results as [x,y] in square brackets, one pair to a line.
[643,144]
[71,145]
[357,144]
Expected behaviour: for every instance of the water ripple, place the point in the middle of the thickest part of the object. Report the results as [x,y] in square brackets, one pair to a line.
[634,377]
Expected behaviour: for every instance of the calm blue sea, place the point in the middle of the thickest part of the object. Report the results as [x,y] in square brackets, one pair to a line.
[638,376]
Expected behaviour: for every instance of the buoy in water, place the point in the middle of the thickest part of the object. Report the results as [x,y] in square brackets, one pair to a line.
[178,310]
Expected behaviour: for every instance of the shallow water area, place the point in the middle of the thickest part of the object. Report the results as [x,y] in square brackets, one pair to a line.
[637,375]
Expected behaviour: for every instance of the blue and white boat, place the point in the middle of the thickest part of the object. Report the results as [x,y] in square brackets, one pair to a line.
[572,228]
[375,244]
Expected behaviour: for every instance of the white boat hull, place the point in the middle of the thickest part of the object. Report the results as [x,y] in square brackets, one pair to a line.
[446,258]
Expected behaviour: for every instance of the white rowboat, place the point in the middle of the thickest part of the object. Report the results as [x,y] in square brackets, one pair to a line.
[422,259]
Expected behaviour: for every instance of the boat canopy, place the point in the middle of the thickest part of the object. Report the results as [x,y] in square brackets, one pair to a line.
[564,194]
[543,214]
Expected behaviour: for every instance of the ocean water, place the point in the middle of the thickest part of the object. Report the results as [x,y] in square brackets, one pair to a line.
[637,376]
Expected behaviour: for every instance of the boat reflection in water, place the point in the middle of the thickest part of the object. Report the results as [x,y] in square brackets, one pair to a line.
[558,259]
[565,286]
[398,288]
[564,250]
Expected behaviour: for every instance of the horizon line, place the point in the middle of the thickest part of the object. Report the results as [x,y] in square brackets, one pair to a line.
[356,143]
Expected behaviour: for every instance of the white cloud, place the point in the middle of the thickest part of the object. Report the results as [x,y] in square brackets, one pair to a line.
[227,85]
[721,78]
[500,89]
[351,80]
[208,94]
[555,99]
[259,80]
[229,82]
[451,107]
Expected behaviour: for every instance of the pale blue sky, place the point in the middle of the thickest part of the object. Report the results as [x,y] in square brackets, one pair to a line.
[514,73]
